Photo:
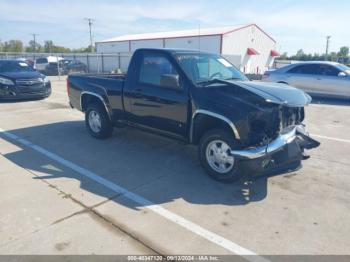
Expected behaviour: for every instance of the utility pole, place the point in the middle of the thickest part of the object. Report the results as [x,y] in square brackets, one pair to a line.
[327,46]
[34,39]
[90,20]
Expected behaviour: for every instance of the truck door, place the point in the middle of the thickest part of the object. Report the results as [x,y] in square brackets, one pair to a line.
[158,98]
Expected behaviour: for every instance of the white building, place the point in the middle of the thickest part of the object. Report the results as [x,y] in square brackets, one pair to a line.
[248,47]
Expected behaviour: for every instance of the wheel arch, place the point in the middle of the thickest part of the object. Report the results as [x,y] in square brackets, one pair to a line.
[204,120]
[88,97]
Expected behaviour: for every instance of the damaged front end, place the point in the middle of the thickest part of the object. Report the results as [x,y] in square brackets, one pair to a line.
[293,134]
[277,139]
[269,120]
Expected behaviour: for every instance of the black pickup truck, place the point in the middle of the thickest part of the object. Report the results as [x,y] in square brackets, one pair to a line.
[201,99]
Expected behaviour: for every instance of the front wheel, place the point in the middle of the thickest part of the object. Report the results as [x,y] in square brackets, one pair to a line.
[97,121]
[215,155]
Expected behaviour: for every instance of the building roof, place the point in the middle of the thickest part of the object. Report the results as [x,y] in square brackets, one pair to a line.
[182,33]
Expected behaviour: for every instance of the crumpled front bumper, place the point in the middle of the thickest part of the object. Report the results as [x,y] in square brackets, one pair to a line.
[296,135]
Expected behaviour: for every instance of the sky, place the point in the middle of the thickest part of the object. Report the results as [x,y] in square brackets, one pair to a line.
[295,24]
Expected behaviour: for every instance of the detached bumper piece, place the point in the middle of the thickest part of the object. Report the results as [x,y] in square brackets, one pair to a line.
[285,152]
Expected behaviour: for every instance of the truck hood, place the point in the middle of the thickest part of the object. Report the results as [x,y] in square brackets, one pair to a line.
[274,92]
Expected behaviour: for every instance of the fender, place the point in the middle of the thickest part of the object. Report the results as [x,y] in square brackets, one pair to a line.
[99,97]
[221,117]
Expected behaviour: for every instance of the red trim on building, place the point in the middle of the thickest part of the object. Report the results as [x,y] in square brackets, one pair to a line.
[252,51]
[274,53]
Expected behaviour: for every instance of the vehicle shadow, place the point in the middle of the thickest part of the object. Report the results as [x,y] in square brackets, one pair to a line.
[154,167]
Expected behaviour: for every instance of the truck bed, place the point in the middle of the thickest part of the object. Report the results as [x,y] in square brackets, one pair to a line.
[107,86]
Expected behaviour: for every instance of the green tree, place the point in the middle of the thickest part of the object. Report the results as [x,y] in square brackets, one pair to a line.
[61,49]
[300,53]
[284,56]
[33,47]
[342,56]
[48,46]
[13,46]
[343,52]
[333,56]
[83,50]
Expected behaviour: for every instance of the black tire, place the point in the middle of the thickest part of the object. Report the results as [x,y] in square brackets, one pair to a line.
[232,174]
[106,127]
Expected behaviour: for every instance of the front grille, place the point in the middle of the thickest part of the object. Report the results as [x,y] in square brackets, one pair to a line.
[29,82]
[30,86]
[266,126]
[290,116]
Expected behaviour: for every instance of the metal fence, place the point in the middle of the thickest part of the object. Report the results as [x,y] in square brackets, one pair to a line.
[95,62]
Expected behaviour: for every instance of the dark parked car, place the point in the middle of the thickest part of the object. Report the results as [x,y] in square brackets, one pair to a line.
[52,69]
[47,65]
[202,99]
[18,80]
[73,66]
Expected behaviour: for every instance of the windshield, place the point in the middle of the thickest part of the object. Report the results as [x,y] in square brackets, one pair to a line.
[344,68]
[202,67]
[14,66]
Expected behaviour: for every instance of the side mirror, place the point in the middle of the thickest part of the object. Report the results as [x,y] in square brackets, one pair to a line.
[342,74]
[170,81]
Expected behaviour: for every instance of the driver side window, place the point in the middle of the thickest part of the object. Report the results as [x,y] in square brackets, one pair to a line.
[158,71]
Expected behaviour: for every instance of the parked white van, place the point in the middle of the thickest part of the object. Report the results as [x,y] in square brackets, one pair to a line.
[42,62]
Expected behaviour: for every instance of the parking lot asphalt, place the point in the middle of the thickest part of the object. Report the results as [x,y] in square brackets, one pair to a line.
[150,194]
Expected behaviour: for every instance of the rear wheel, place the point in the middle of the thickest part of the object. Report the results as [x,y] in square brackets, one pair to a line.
[97,121]
[215,155]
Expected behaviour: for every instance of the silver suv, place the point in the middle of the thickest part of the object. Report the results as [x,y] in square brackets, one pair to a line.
[319,78]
